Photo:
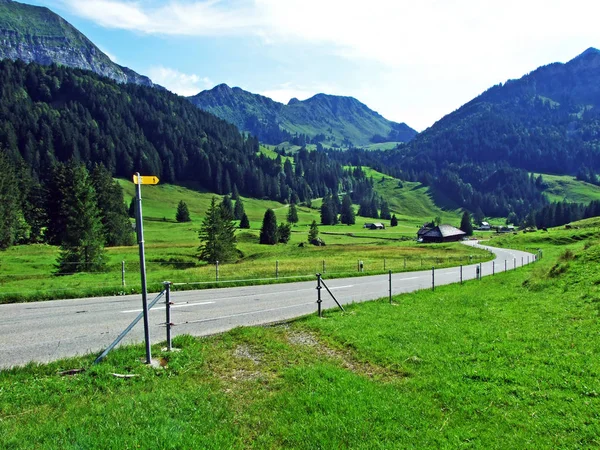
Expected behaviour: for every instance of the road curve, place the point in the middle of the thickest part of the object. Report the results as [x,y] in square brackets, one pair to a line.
[51,330]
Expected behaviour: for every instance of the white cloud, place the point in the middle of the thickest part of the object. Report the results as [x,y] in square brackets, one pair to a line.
[283,93]
[195,18]
[178,82]
[453,49]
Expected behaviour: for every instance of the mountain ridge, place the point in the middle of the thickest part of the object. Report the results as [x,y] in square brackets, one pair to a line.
[332,119]
[37,34]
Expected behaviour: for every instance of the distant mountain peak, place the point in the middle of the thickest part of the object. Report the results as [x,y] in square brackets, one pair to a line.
[36,34]
[334,119]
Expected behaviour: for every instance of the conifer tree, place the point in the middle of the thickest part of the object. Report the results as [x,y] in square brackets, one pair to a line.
[9,202]
[385,210]
[269,229]
[217,236]
[238,209]
[82,248]
[313,232]
[465,223]
[292,216]
[347,215]
[244,221]
[131,210]
[113,214]
[227,207]
[284,233]
[183,213]
[394,221]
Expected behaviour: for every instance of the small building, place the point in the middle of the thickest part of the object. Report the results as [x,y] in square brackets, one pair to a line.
[485,226]
[441,233]
[374,226]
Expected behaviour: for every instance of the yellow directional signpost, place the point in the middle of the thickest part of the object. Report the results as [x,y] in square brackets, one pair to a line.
[139,180]
[144,179]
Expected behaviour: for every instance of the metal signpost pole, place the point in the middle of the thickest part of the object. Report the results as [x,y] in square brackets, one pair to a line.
[140,233]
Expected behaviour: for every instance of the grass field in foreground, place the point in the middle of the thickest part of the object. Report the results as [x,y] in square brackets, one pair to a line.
[506,362]
[26,272]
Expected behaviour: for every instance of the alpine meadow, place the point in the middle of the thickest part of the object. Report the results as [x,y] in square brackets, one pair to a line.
[218,228]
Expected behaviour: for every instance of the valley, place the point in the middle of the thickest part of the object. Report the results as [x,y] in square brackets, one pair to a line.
[264,186]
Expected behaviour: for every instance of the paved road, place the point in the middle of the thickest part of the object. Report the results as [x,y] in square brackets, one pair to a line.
[51,330]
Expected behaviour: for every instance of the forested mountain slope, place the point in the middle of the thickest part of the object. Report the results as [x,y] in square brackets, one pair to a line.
[329,119]
[548,121]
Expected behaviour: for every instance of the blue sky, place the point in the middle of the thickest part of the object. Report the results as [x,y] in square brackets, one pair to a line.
[411,61]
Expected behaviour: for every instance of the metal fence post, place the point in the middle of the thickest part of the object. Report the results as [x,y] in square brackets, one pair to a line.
[168,322]
[461,276]
[527,259]
[433,278]
[522,261]
[217,271]
[505,265]
[390,283]
[323,266]
[123,273]
[480,270]
[493,267]
[515,263]
[319,295]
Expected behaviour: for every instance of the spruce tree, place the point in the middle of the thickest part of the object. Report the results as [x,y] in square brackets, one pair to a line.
[9,202]
[131,210]
[394,221]
[465,223]
[183,213]
[82,248]
[347,215]
[292,216]
[217,236]
[244,221]
[227,207]
[385,210]
[113,213]
[238,210]
[284,233]
[313,232]
[269,229]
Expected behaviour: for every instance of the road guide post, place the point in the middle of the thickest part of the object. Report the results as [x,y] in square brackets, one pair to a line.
[138,181]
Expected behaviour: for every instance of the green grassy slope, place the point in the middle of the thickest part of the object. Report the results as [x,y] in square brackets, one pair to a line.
[565,187]
[26,272]
[506,362]
[412,202]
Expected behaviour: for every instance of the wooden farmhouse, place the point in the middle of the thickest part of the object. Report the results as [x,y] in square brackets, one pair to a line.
[441,233]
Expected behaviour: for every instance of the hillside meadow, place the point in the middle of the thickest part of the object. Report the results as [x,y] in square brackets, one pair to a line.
[568,188]
[27,272]
[505,362]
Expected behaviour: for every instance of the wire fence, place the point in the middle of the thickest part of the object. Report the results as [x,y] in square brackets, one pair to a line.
[37,280]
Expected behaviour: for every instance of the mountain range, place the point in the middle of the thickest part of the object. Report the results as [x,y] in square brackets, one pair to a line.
[335,121]
[36,34]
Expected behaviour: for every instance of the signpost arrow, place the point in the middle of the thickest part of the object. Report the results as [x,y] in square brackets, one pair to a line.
[137,179]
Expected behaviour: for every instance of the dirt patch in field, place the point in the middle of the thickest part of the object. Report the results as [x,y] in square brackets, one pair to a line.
[345,357]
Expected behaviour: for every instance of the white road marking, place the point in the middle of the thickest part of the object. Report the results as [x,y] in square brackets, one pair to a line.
[172,306]
[245,313]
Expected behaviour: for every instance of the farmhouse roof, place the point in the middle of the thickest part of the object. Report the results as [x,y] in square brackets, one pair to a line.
[443,231]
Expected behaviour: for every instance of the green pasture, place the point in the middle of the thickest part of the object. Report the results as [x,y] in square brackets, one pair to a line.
[26,272]
[506,362]
[565,187]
